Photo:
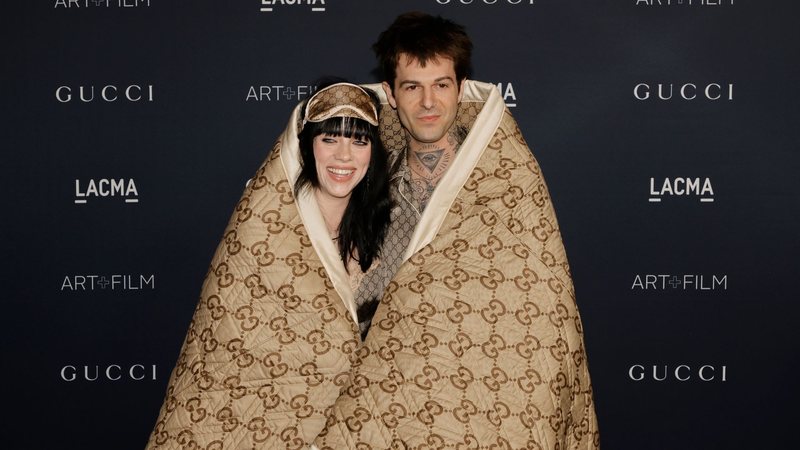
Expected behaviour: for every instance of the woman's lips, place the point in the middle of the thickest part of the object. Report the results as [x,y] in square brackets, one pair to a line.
[340,174]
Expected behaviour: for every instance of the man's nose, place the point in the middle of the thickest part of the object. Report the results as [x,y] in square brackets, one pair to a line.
[427,98]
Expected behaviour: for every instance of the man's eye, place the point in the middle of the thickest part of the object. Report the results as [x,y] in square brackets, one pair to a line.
[411,87]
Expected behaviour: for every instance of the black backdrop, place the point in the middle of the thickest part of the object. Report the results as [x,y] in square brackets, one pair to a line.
[130,128]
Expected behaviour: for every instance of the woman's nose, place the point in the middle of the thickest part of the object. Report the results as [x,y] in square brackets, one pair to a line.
[344,152]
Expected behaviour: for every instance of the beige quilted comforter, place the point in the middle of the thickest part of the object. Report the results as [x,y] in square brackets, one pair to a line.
[477,343]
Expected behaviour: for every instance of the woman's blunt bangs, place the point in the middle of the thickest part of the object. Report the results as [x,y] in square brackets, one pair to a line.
[349,127]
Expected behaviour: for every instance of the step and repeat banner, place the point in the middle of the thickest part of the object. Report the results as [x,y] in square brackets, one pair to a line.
[667,130]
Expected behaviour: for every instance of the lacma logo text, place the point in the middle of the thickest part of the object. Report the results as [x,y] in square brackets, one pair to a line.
[509,96]
[682,187]
[119,188]
[315,5]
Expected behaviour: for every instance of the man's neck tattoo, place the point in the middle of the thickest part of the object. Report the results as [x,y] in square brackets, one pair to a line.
[430,159]
[429,162]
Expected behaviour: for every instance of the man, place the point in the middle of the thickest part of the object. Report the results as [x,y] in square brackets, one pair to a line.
[477,342]
[425,90]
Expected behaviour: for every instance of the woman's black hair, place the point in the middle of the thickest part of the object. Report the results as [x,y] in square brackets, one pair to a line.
[366,217]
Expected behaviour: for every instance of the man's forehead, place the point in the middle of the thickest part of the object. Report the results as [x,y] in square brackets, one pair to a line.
[436,67]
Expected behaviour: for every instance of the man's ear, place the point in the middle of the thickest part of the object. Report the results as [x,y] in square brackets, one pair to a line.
[388,91]
[461,90]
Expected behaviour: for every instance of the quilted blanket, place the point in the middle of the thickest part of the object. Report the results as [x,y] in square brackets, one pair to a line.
[477,343]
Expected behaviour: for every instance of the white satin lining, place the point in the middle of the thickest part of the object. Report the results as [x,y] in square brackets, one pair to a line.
[312,219]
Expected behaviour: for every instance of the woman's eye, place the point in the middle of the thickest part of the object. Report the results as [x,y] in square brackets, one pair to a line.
[360,142]
[329,140]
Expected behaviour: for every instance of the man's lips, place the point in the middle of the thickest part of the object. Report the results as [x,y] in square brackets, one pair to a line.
[429,118]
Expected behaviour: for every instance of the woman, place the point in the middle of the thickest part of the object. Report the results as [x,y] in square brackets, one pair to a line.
[275,331]
[344,163]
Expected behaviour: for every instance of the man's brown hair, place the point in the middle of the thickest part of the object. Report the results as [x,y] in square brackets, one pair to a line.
[423,38]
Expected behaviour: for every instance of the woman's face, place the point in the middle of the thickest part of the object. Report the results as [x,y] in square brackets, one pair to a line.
[342,163]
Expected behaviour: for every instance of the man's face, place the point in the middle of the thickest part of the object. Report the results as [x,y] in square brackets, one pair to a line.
[426,98]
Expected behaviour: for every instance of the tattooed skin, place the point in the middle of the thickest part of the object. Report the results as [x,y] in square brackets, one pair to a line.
[430,159]
[429,162]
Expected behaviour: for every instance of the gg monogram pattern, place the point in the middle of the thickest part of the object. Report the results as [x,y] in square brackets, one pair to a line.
[270,344]
[477,342]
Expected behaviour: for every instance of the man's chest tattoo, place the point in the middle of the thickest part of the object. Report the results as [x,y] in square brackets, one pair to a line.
[422,191]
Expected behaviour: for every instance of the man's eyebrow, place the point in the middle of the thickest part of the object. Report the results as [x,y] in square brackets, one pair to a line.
[438,80]
[409,82]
